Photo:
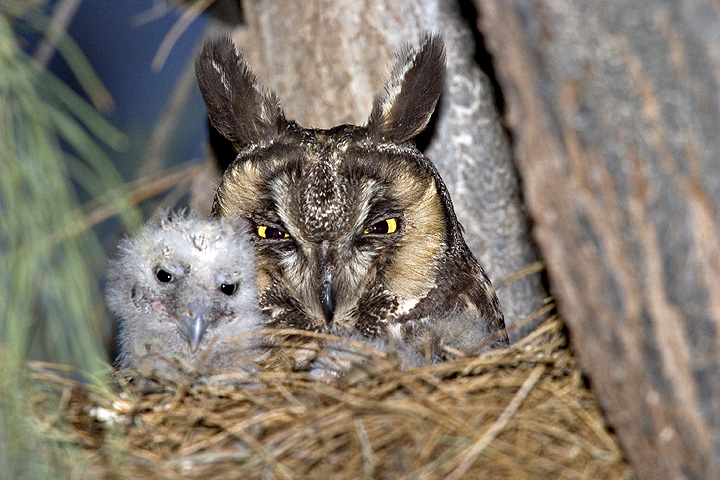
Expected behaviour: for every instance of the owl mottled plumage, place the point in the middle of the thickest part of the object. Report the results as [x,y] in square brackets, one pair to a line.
[354,229]
[181,289]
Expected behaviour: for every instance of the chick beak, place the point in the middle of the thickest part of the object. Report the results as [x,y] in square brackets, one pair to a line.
[194,324]
[327,296]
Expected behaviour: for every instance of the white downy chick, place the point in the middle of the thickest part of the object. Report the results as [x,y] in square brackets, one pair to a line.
[182,289]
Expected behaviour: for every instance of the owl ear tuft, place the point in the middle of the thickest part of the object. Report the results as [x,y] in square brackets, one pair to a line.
[404,109]
[237,107]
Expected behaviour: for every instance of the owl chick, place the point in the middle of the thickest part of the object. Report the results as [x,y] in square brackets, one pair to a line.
[354,228]
[181,289]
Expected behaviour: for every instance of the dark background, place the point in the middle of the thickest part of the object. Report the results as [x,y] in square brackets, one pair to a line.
[120,40]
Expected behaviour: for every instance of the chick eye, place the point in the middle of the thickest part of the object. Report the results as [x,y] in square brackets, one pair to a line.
[382,227]
[271,232]
[228,288]
[163,276]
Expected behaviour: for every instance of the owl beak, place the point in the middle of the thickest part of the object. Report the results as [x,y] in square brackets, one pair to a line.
[193,325]
[327,296]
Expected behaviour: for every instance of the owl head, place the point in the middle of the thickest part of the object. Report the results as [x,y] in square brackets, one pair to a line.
[353,227]
[180,288]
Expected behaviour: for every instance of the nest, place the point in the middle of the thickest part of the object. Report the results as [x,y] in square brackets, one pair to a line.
[523,412]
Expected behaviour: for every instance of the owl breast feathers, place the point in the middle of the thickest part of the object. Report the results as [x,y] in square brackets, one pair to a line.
[354,229]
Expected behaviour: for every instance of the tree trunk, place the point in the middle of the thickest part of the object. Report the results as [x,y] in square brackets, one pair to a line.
[614,112]
[327,60]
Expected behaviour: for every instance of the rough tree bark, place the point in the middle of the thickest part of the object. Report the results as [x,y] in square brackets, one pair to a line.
[327,60]
[614,108]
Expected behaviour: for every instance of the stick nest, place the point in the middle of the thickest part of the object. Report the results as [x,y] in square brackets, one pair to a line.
[523,412]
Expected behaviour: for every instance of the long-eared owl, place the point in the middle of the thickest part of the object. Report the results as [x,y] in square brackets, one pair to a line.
[354,229]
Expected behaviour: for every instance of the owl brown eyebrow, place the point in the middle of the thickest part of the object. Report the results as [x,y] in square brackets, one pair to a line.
[381,209]
[265,211]
[269,219]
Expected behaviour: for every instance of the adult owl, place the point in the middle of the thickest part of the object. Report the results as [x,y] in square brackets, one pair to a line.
[354,229]
[184,294]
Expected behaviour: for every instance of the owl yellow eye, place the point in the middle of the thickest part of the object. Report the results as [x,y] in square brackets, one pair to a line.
[271,232]
[382,227]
